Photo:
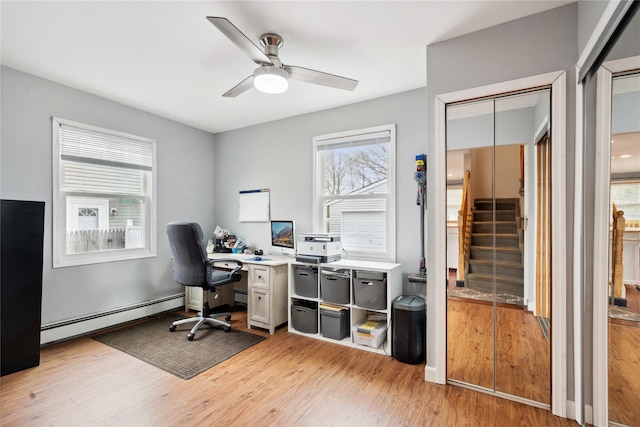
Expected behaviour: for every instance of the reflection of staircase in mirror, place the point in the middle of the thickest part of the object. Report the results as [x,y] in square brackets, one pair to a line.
[509,269]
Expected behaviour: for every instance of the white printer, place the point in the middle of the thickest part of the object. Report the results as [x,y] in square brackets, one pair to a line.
[319,247]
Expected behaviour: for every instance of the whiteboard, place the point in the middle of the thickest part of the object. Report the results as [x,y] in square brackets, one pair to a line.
[254,206]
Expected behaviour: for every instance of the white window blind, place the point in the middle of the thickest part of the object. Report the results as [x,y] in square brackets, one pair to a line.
[86,146]
[355,141]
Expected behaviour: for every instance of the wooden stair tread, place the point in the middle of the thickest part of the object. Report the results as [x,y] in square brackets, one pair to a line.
[498,263]
[515,235]
[499,222]
[499,279]
[498,249]
[497,199]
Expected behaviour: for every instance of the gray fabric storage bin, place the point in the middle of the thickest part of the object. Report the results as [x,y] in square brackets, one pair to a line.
[334,286]
[370,289]
[334,323]
[371,275]
[305,281]
[304,316]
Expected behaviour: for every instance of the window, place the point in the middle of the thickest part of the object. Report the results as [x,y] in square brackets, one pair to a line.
[454,200]
[354,190]
[103,195]
[626,195]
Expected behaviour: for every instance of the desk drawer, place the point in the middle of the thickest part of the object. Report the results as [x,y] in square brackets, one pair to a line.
[228,265]
[259,276]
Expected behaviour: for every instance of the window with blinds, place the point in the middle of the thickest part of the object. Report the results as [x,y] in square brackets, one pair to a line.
[354,190]
[111,176]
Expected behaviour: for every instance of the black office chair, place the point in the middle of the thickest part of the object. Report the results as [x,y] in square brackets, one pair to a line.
[191,267]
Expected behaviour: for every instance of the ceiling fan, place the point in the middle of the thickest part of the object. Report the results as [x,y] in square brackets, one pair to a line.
[272,76]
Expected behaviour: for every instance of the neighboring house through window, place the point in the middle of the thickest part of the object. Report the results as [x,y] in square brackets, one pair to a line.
[354,190]
[103,195]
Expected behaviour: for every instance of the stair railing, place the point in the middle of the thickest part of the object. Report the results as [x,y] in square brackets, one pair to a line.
[616,252]
[465,223]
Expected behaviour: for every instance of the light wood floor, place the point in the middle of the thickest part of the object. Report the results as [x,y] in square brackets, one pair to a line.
[624,372]
[286,380]
[523,364]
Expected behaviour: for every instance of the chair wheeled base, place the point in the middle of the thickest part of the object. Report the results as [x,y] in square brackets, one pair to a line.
[204,317]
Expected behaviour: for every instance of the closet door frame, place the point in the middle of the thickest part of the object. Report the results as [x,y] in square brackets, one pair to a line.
[436,369]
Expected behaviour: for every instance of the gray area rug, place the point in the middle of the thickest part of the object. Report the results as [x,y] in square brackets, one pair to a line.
[623,313]
[152,342]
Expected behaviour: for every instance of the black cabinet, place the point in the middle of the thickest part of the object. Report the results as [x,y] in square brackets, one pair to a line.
[21,247]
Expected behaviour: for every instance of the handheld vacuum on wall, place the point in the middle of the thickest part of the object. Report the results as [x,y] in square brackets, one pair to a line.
[421,178]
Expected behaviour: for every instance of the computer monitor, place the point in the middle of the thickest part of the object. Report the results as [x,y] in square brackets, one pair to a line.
[283,239]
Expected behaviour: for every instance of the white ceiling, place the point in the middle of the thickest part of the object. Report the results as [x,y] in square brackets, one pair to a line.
[166,58]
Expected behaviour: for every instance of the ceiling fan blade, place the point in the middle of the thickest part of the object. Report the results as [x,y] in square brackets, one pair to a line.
[241,87]
[239,39]
[320,78]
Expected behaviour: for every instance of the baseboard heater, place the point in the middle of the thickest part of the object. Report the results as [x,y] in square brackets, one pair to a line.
[70,328]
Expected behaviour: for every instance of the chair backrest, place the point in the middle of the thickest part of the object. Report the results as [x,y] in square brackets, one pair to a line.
[189,253]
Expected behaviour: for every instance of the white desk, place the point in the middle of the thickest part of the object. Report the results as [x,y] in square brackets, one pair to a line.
[267,288]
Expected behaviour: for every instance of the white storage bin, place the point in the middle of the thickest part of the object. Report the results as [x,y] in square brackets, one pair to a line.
[374,339]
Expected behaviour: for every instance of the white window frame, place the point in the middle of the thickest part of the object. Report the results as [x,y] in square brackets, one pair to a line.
[319,199]
[61,205]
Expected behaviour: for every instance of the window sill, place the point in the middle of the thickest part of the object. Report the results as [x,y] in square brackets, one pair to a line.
[94,258]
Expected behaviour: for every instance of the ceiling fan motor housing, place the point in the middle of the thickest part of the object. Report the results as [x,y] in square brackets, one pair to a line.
[271,43]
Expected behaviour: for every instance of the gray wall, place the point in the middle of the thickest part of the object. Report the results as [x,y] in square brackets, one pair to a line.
[589,13]
[185,188]
[627,44]
[530,46]
[278,156]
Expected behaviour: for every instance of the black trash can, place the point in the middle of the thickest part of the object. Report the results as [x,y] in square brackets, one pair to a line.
[408,320]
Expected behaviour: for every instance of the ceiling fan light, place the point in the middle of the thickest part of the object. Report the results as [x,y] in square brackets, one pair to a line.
[270,79]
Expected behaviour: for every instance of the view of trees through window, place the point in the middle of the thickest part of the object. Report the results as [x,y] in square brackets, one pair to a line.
[349,169]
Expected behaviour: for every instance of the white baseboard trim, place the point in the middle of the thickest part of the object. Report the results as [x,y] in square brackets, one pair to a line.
[430,375]
[62,330]
[531,306]
[572,415]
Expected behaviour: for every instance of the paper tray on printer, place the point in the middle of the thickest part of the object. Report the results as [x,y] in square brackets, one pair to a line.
[309,258]
[317,259]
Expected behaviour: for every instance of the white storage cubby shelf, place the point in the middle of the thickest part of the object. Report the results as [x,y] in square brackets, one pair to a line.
[356,314]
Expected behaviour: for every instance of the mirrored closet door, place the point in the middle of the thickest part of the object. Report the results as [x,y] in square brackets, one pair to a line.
[624,251]
[498,245]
